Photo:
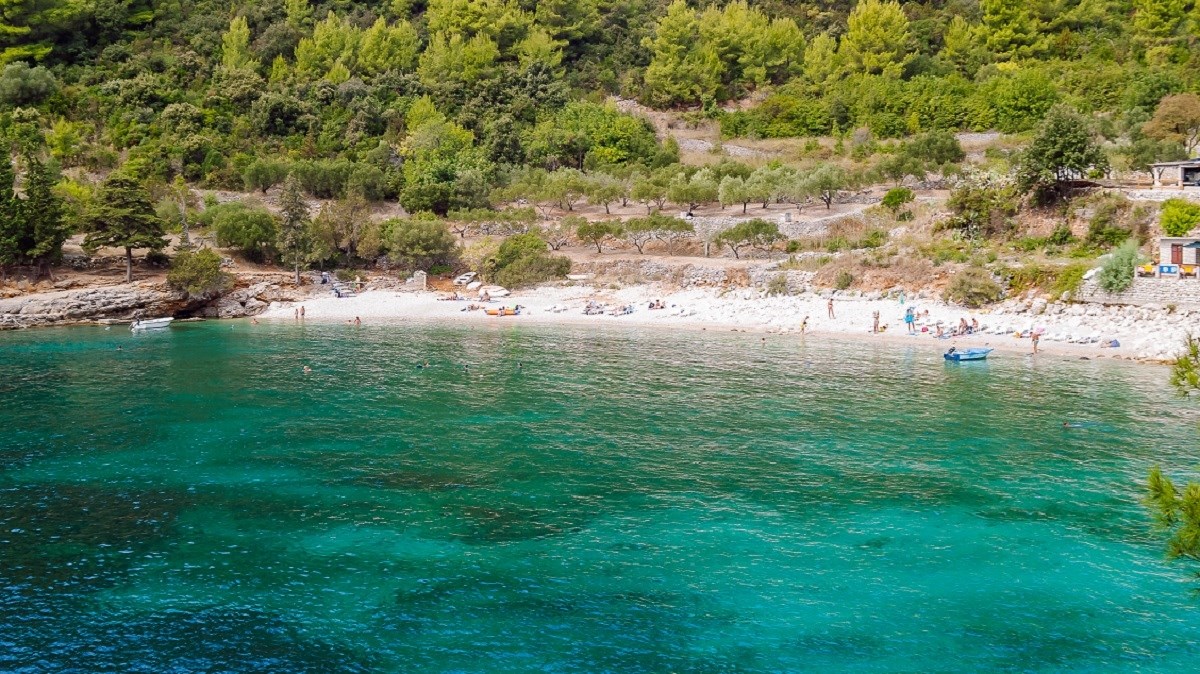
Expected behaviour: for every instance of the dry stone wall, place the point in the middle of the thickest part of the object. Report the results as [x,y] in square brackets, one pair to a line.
[1159,292]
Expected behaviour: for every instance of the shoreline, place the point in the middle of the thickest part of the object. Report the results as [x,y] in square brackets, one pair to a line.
[739,310]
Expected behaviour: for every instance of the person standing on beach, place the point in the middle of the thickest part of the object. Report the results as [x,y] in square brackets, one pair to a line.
[829,306]
[1034,337]
[875,323]
[910,320]
[301,311]
[804,325]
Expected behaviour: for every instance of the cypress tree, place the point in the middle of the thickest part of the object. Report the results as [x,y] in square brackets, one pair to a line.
[294,225]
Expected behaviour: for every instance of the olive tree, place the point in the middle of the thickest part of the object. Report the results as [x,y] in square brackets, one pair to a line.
[757,234]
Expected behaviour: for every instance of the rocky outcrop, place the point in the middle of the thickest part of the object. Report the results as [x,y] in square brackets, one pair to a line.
[249,301]
[127,302]
[89,304]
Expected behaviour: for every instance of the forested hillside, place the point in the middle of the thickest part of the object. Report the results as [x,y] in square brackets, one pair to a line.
[448,104]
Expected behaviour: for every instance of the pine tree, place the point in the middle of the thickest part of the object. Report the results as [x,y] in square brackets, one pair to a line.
[876,39]
[44,216]
[11,222]
[1010,29]
[235,46]
[682,69]
[124,218]
[294,227]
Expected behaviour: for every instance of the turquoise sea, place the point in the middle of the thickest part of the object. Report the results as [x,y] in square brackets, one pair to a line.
[577,500]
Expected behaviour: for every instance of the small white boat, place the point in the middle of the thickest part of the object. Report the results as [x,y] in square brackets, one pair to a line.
[151,324]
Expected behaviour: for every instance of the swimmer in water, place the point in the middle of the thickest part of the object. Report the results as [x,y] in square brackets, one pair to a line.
[307,370]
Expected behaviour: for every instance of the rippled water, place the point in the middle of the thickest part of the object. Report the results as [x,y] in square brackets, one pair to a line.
[576,501]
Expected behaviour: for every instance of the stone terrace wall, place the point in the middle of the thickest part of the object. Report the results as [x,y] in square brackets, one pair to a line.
[1190,193]
[1145,292]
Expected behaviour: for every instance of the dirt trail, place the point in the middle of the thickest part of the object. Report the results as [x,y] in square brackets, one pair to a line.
[701,139]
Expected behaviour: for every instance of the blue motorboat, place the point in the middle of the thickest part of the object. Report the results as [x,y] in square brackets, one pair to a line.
[966,354]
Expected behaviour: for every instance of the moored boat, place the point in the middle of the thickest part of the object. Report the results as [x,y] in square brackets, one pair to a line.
[966,354]
[151,324]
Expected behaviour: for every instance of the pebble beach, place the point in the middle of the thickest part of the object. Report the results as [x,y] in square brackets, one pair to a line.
[1088,330]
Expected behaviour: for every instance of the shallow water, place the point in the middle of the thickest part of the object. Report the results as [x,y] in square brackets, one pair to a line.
[576,501]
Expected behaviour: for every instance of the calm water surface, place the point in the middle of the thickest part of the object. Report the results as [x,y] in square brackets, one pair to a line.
[576,501]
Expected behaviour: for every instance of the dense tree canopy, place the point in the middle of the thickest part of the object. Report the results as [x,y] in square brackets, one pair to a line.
[208,89]
[465,105]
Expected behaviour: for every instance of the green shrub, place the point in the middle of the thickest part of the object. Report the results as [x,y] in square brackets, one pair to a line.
[844,280]
[368,182]
[22,85]
[324,179]
[982,207]
[533,269]
[1061,235]
[1106,228]
[873,239]
[1117,273]
[417,244]
[517,247]
[1028,244]
[836,243]
[778,285]
[973,287]
[1179,216]
[947,250]
[1069,279]
[897,198]
[1029,276]
[251,229]
[263,174]
[198,273]
[157,258]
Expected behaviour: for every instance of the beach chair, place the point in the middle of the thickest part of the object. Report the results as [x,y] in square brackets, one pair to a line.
[1186,270]
[1146,269]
